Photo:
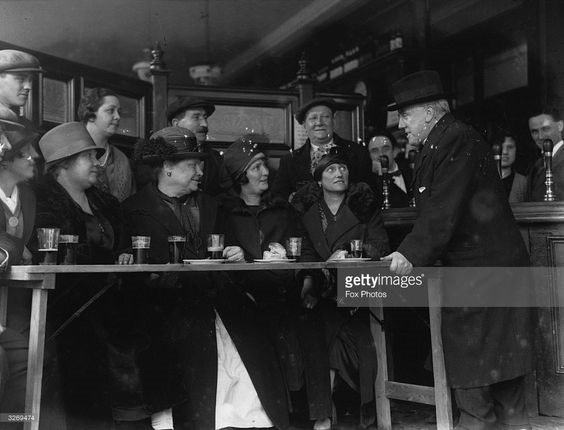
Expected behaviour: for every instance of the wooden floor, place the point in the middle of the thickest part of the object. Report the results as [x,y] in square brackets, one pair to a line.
[410,416]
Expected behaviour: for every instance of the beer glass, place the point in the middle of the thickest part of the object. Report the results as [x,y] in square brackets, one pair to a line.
[141,246]
[356,248]
[294,248]
[48,245]
[175,248]
[215,246]
[68,247]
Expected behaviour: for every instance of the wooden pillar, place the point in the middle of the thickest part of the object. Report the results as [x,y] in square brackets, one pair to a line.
[304,82]
[159,78]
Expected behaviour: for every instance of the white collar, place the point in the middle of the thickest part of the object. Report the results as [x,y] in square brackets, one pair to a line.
[557,147]
[12,201]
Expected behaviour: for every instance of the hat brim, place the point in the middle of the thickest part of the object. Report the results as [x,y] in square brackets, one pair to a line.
[303,110]
[175,156]
[396,106]
[99,153]
[209,108]
[24,69]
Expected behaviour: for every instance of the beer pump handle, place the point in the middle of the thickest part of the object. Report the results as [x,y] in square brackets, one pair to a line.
[547,147]
[385,165]
[496,149]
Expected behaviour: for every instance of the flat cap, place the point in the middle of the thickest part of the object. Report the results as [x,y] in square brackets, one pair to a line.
[18,61]
[320,101]
[184,103]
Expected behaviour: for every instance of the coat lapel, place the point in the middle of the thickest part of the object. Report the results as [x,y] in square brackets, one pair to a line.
[312,224]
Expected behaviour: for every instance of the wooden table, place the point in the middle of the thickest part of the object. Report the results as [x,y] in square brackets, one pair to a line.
[42,279]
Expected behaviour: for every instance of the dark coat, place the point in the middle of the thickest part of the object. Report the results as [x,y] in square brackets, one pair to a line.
[275,221]
[82,345]
[295,168]
[360,219]
[536,180]
[349,341]
[183,349]
[464,219]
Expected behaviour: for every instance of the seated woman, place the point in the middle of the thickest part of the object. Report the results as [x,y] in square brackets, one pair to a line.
[514,183]
[99,111]
[259,224]
[335,212]
[16,226]
[208,356]
[82,315]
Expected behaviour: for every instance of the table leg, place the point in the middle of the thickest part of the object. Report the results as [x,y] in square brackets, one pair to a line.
[383,412]
[442,390]
[36,350]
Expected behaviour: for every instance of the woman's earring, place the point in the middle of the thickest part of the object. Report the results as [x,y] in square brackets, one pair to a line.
[169,174]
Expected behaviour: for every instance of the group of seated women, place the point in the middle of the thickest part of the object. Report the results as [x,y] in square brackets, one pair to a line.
[193,350]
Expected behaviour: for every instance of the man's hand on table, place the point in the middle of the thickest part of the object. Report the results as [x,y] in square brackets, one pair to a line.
[399,264]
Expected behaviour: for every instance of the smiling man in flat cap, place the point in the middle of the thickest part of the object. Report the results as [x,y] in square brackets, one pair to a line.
[296,169]
[464,219]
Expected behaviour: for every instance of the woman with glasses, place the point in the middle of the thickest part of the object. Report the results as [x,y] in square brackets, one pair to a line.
[334,213]
[17,202]
[202,330]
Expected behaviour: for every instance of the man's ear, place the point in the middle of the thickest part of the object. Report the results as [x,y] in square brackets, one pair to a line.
[429,113]
[174,122]
[560,125]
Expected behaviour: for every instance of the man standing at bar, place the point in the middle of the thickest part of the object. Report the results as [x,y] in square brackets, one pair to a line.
[464,220]
[544,124]
[193,114]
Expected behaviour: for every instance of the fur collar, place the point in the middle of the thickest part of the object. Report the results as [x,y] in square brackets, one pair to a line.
[52,197]
[359,198]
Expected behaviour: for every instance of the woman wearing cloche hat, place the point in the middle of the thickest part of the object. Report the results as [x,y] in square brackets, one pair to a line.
[67,199]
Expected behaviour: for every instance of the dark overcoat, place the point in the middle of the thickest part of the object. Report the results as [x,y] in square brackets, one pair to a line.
[464,220]
[295,168]
[360,218]
[183,350]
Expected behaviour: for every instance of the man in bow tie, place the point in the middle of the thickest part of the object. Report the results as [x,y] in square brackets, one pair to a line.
[464,219]
[296,169]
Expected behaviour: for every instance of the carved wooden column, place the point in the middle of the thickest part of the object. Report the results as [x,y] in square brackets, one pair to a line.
[304,82]
[159,78]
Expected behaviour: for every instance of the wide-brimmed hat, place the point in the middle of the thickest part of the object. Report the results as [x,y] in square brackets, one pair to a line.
[18,61]
[419,87]
[320,101]
[169,143]
[334,156]
[184,103]
[66,140]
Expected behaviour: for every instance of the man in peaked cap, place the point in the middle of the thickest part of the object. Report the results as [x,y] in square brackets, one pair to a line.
[296,169]
[16,76]
[464,220]
[193,113]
